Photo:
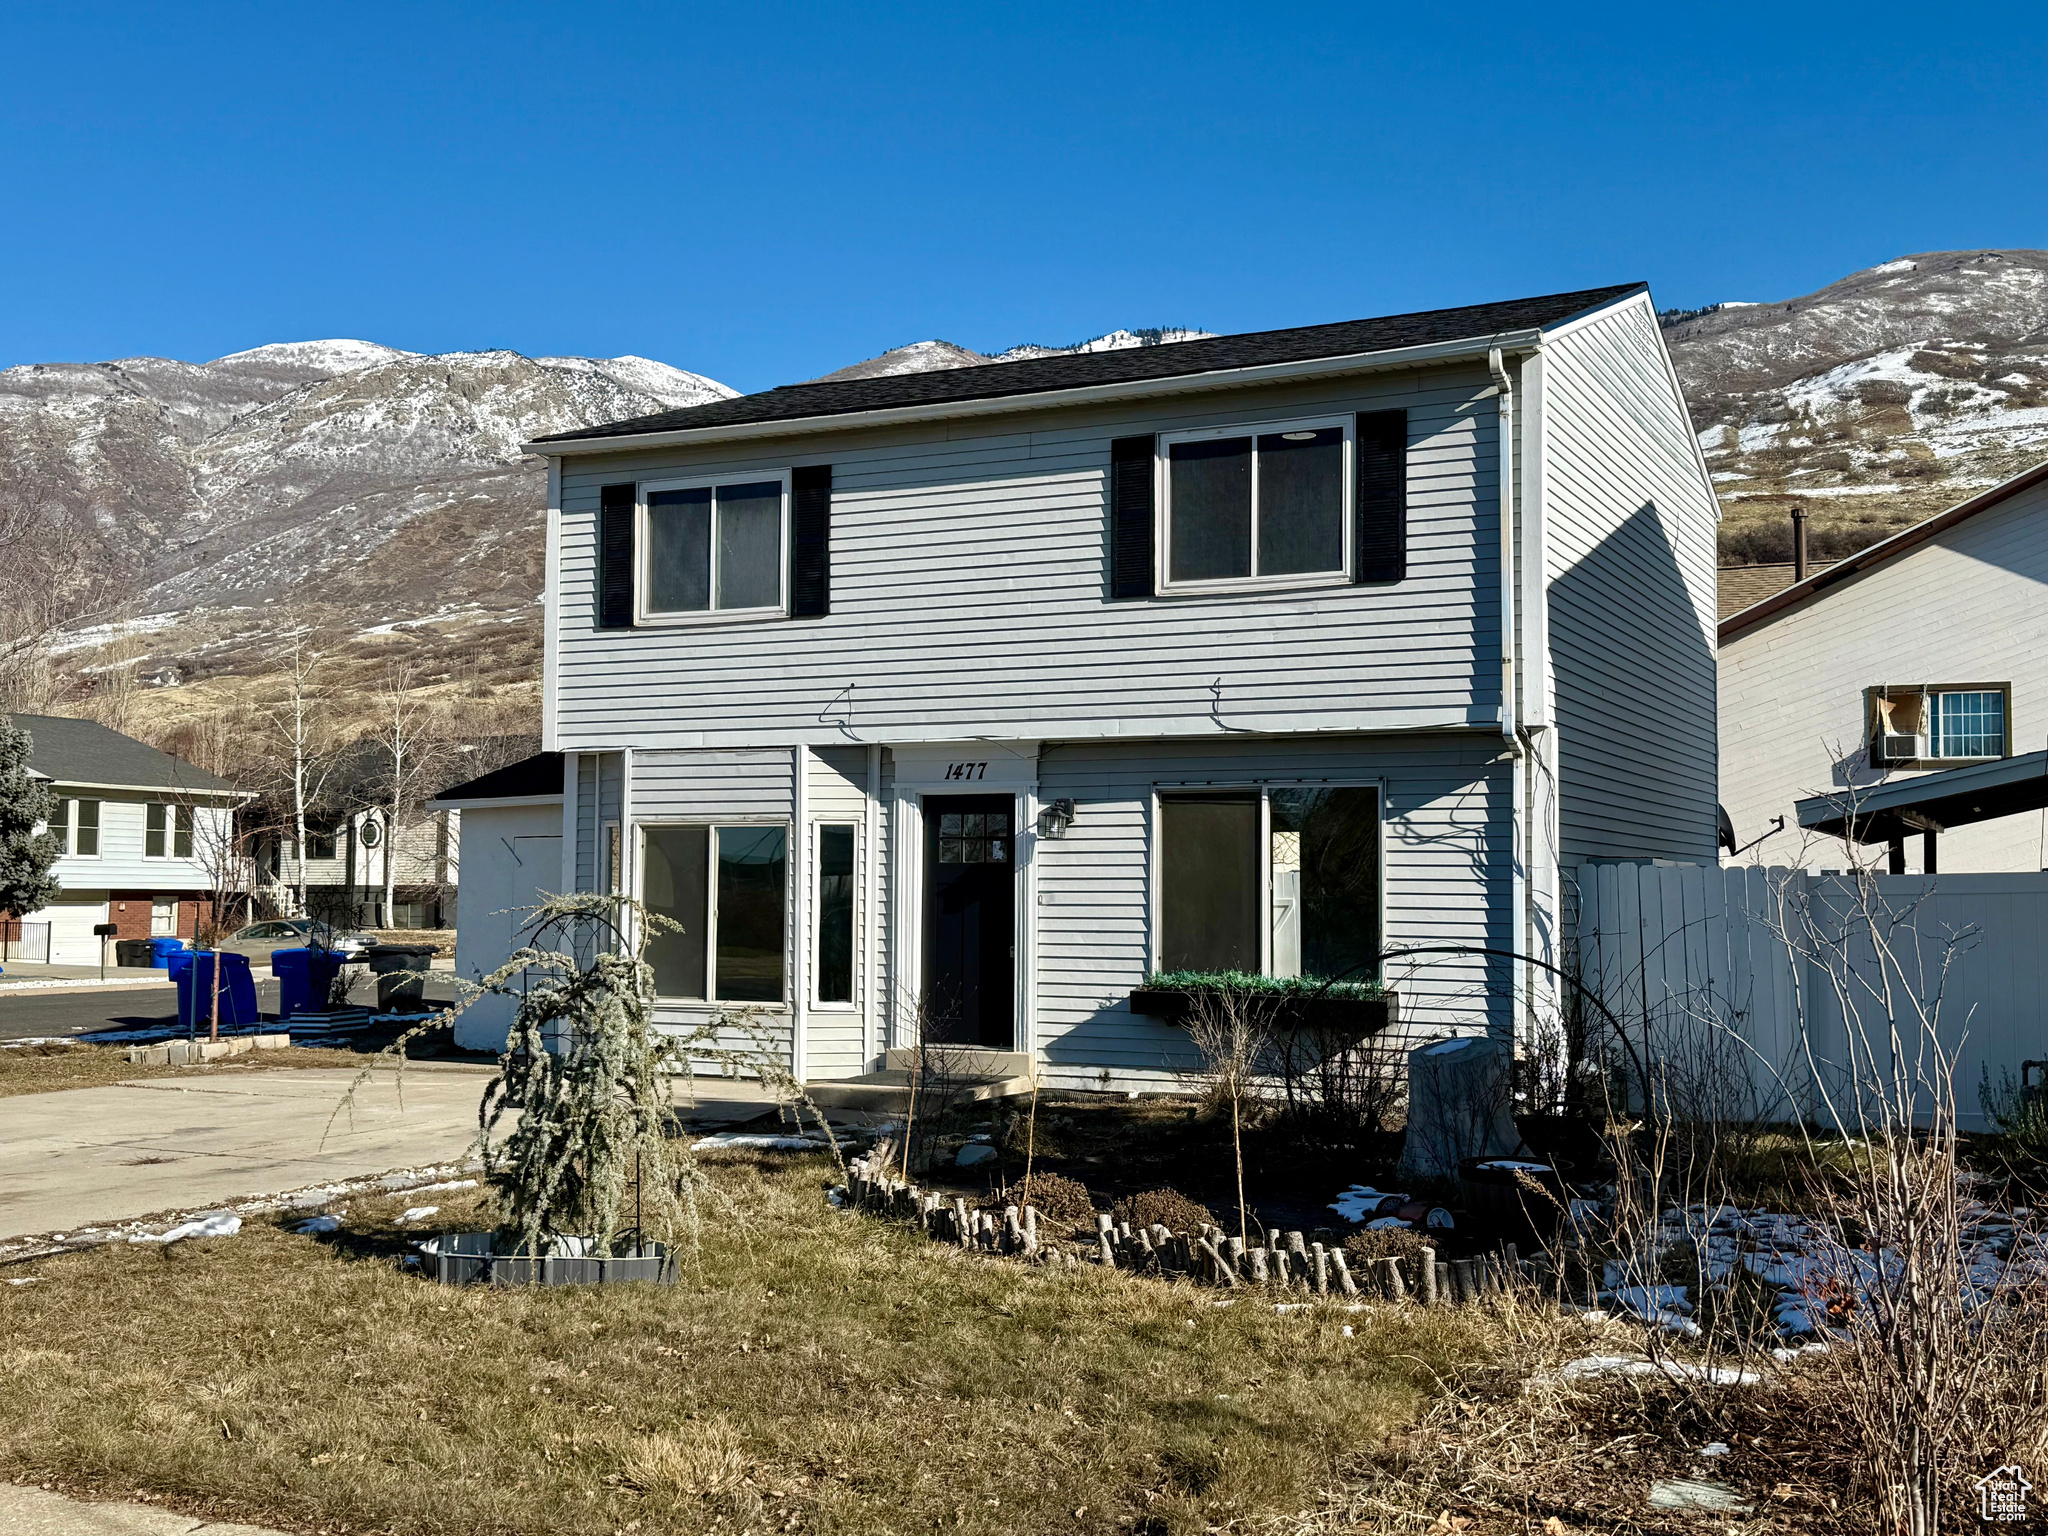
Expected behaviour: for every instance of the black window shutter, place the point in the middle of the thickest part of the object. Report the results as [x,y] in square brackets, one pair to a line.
[810,541]
[616,504]
[1380,537]
[1130,516]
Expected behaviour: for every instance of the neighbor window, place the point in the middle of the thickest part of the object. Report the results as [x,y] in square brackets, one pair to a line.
[713,548]
[835,914]
[60,824]
[1926,725]
[723,888]
[1285,881]
[319,845]
[167,827]
[86,834]
[1251,506]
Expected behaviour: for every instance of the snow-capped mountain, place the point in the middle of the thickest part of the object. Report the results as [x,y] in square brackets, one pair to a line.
[373,484]
[1873,403]
[924,356]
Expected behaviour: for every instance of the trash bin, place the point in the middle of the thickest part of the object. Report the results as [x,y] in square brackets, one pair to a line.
[399,992]
[161,951]
[192,974]
[304,977]
[140,953]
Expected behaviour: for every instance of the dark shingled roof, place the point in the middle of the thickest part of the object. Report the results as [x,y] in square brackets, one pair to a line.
[86,752]
[540,774]
[1081,370]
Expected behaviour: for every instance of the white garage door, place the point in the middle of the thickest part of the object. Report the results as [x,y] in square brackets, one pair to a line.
[71,925]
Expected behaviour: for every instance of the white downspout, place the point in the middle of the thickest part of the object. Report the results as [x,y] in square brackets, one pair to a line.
[1504,405]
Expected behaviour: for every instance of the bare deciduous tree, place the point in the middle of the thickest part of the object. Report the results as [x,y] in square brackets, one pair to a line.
[298,723]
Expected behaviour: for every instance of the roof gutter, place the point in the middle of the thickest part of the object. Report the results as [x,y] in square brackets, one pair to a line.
[1105,394]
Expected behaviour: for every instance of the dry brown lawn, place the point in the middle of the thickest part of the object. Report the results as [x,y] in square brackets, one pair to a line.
[49,1068]
[813,1371]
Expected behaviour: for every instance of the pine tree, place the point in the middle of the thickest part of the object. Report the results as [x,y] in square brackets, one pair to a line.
[26,884]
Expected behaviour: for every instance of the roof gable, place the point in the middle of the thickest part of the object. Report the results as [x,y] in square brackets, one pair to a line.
[1171,360]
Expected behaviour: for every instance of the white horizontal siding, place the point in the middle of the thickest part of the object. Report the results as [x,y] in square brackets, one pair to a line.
[1969,606]
[968,596]
[121,863]
[1447,811]
[749,785]
[1631,522]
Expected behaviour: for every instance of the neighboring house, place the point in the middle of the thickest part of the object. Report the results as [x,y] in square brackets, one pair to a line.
[513,818]
[958,702]
[1921,653]
[147,839]
[348,841]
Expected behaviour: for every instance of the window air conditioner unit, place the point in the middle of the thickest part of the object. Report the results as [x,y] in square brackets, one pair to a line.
[1895,748]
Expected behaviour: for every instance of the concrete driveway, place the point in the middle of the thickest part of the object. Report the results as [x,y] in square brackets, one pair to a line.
[87,1156]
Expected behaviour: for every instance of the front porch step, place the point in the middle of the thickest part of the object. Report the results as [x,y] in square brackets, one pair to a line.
[889,1089]
[964,1061]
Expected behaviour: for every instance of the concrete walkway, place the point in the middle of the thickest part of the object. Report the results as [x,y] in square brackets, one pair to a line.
[34,1512]
[90,1156]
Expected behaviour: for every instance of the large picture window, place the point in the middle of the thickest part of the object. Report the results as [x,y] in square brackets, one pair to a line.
[724,888]
[713,548]
[1257,506]
[1284,881]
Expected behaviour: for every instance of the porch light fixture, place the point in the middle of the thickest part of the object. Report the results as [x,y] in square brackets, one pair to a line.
[1054,820]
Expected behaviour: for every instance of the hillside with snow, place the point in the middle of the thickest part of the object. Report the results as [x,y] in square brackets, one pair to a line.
[1873,403]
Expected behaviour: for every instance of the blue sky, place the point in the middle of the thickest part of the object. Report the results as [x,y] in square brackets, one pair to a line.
[765,192]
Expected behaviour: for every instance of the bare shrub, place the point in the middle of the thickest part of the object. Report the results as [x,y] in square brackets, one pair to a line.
[1060,1200]
[1338,1091]
[1403,1243]
[1230,1027]
[1167,1207]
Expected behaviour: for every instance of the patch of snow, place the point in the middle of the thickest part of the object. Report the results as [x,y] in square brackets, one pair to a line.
[30,1280]
[723,1140]
[1347,1330]
[1360,1200]
[974,1154]
[314,1224]
[1448,1047]
[335,356]
[418,1213]
[1897,266]
[1591,1366]
[212,1224]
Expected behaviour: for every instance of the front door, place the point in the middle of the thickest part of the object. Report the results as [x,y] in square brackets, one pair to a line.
[970,926]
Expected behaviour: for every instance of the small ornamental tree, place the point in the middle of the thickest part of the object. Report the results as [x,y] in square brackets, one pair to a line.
[26,884]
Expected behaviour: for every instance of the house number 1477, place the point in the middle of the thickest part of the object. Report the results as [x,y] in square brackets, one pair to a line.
[967,770]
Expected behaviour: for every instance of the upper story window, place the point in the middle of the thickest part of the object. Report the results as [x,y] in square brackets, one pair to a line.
[1283,882]
[167,831]
[1258,507]
[1937,725]
[75,824]
[713,547]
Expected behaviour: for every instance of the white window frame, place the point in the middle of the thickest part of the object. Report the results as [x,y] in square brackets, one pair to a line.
[1162,540]
[99,827]
[163,809]
[1263,788]
[643,615]
[815,907]
[639,872]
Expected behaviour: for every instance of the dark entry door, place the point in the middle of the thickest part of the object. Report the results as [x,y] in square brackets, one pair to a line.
[970,925]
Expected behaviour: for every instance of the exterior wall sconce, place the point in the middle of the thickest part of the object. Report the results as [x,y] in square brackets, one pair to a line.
[1054,820]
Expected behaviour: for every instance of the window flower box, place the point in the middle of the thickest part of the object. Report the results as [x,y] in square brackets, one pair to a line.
[1347,1013]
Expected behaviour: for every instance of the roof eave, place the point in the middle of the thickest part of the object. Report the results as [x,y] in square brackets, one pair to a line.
[1522,340]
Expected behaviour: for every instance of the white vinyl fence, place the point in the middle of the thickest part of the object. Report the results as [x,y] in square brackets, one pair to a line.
[1756,988]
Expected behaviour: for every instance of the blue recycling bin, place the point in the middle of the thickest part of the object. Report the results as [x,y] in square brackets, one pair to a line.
[303,978]
[161,951]
[192,975]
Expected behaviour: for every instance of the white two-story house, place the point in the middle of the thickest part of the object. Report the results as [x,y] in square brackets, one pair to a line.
[962,702]
[146,841]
